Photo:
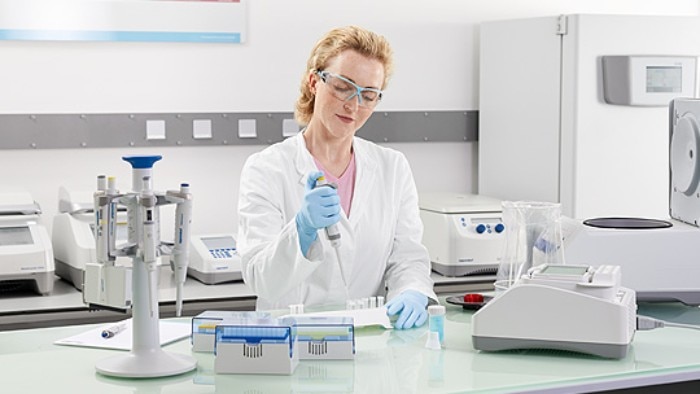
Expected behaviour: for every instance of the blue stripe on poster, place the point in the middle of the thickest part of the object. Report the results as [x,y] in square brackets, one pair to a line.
[129,36]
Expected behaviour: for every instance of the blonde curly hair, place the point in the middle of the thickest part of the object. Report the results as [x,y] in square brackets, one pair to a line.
[355,38]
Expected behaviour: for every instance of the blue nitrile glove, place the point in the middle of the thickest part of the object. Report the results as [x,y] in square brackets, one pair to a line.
[411,306]
[319,209]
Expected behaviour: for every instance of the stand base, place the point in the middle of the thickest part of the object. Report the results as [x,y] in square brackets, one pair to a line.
[146,365]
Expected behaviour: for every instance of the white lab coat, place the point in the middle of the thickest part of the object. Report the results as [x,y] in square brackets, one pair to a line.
[380,242]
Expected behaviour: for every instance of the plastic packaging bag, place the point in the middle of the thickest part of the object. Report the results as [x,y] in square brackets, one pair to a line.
[533,237]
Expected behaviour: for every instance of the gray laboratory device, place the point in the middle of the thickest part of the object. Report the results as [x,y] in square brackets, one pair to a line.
[648,81]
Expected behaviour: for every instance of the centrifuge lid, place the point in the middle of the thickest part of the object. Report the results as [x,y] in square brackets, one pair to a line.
[458,203]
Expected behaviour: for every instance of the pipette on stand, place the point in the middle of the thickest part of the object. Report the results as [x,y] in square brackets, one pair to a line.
[148,245]
[101,221]
[181,249]
[112,193]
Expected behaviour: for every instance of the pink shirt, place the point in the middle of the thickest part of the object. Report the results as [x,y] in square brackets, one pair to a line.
[346,183]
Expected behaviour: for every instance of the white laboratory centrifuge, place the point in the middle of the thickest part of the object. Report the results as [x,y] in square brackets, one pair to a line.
[25,248]
[464,233]
[659,257]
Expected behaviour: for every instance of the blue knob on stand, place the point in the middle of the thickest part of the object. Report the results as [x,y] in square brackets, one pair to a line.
[142,161]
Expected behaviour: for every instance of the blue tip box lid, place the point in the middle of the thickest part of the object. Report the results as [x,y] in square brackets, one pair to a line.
[142,161]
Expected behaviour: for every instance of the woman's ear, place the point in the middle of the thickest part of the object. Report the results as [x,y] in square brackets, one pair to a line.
[312,81]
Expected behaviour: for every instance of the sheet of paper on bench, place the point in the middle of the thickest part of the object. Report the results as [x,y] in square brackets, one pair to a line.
[169,332]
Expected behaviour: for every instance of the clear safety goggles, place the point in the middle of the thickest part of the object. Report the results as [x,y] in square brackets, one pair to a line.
[343,89]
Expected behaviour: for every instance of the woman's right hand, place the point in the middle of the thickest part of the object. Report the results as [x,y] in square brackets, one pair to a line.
[319,209]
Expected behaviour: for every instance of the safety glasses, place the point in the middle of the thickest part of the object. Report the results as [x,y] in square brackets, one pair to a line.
[343,89]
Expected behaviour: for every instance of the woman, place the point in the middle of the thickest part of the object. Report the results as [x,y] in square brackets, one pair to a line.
[375,207]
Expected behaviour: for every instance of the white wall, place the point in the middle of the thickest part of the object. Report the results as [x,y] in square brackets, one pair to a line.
[436,44]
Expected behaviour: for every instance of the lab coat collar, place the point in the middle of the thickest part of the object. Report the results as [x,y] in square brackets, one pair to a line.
[303,162]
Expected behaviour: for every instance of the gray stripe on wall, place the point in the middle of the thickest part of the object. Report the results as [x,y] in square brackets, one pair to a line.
[68,131]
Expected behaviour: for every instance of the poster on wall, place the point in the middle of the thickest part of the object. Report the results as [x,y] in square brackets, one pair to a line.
[197,21]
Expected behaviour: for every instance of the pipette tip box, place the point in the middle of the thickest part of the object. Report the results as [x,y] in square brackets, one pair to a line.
[324,337]
[255,349]
[204,326]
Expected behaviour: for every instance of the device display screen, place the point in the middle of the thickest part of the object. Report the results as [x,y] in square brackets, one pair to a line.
[564,270]
[219,242]
[10,236]
[664,79]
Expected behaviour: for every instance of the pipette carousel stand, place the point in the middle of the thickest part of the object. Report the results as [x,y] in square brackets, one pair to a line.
[147,359]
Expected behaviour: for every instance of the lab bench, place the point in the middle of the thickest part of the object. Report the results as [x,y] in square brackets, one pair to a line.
[65,303]
[386,361]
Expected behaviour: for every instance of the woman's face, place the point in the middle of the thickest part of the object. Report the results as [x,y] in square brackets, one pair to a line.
[342,118]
